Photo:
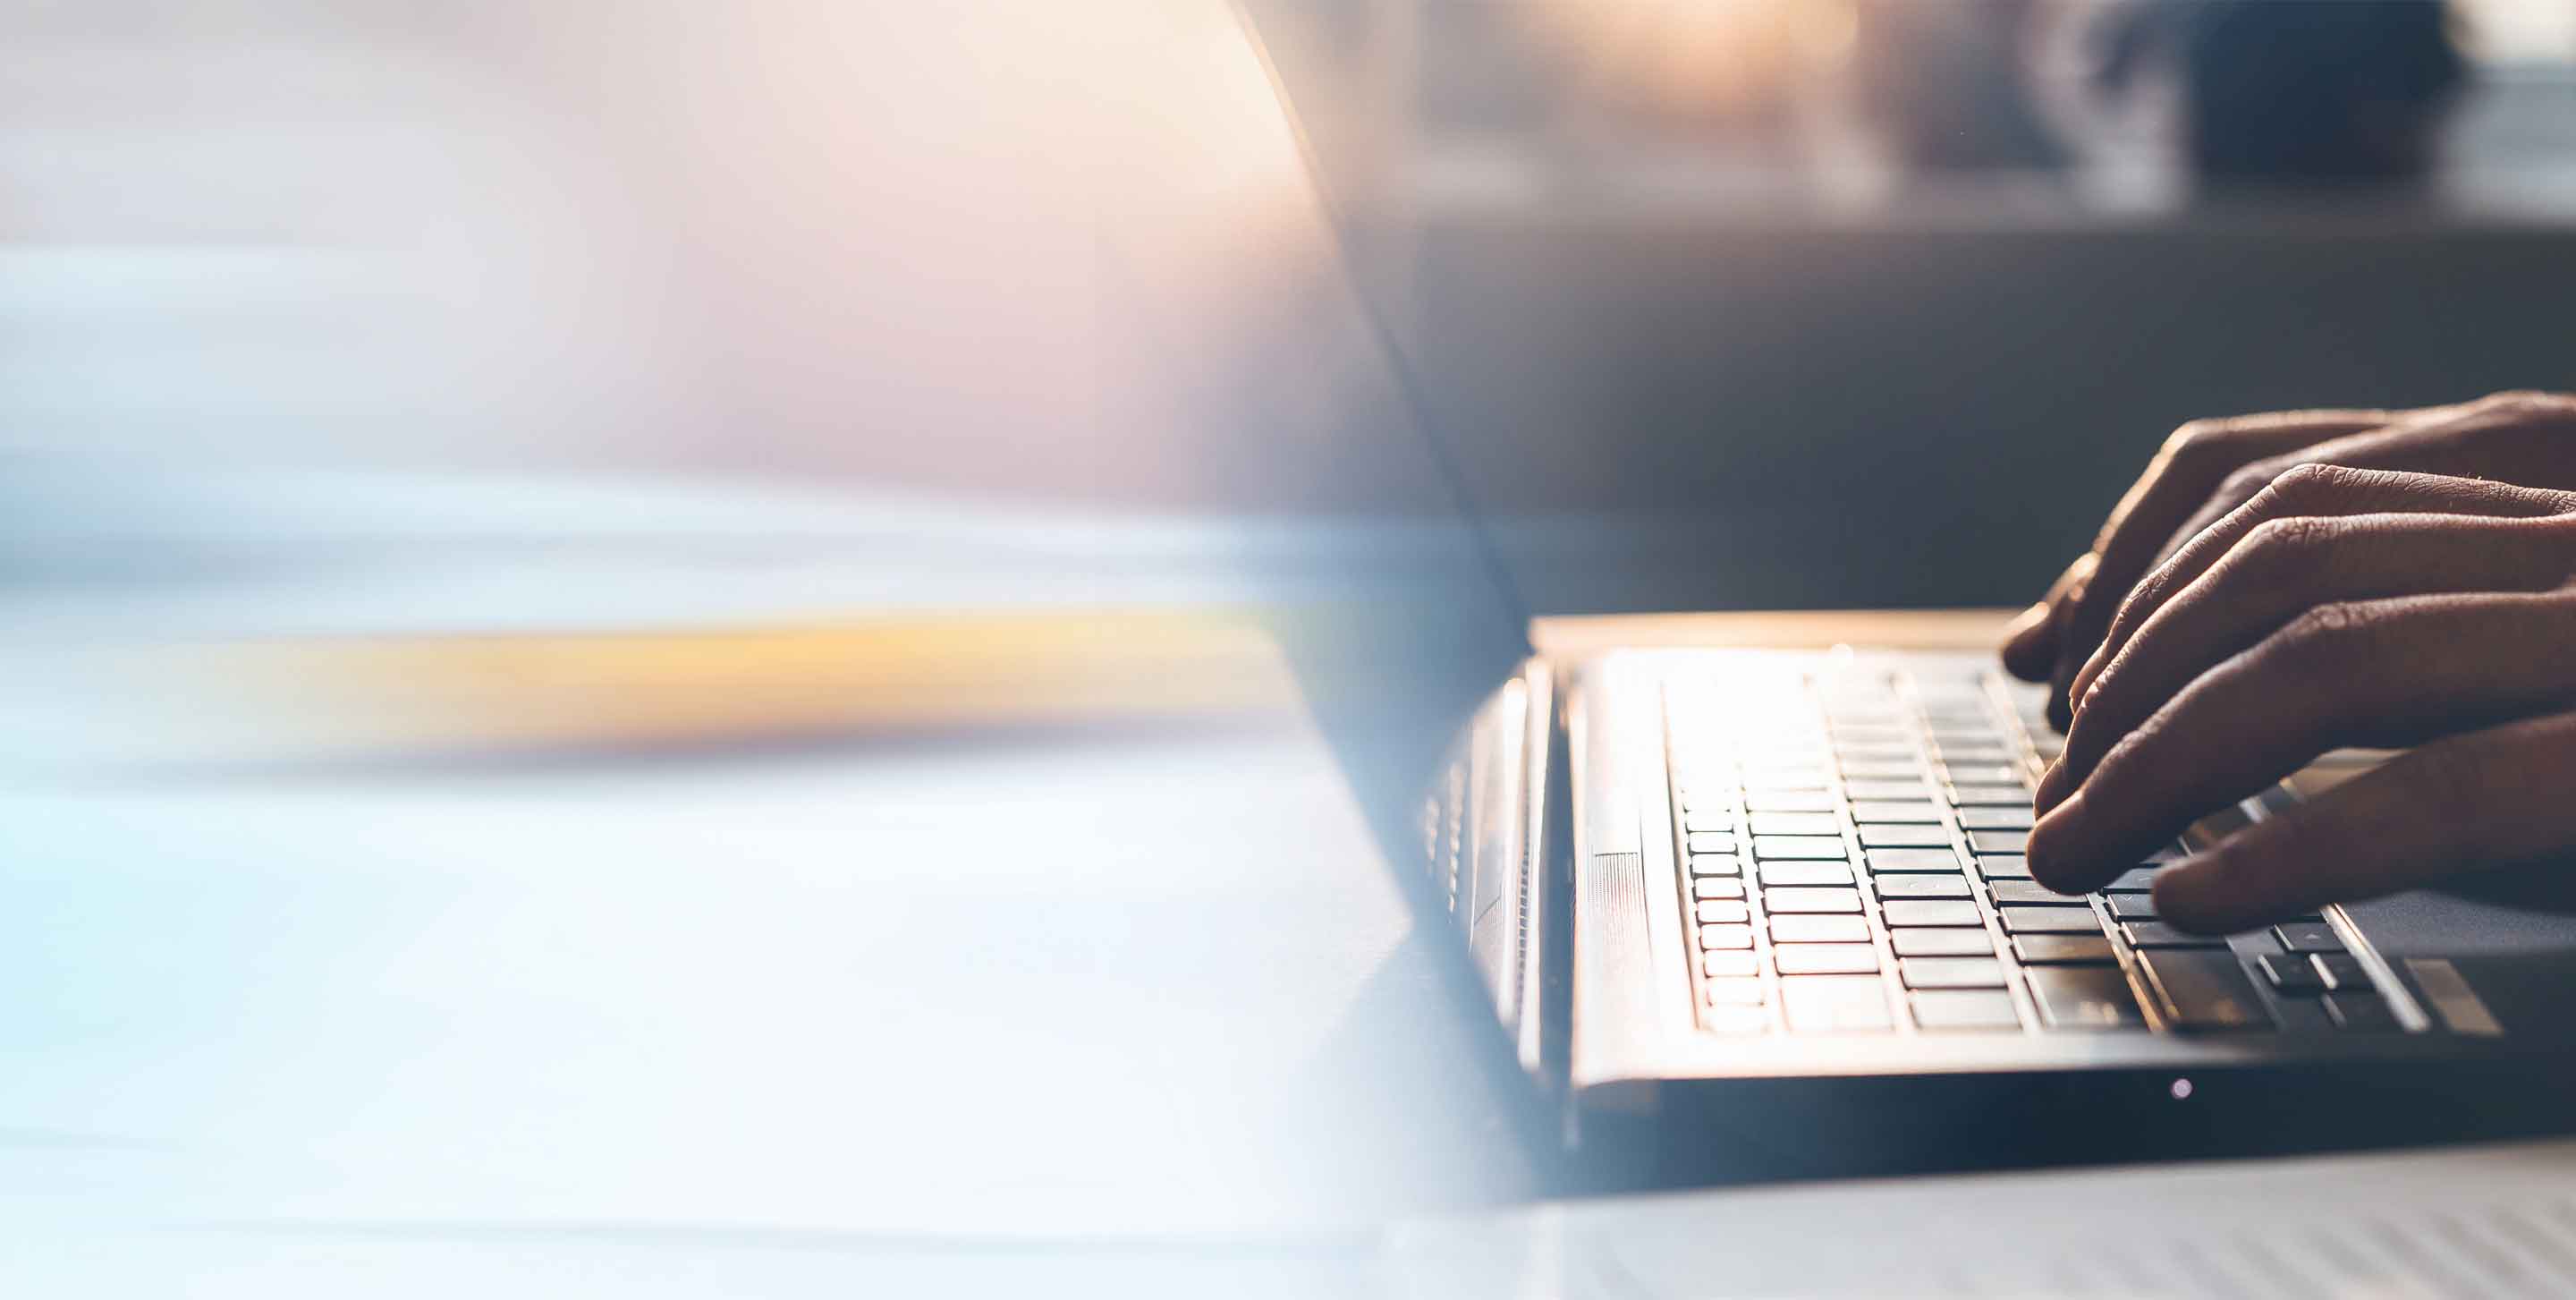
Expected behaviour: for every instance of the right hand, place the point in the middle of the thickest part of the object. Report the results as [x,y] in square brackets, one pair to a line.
[2210,467]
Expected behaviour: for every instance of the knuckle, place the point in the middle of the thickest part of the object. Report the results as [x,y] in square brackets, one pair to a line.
[2311,482]
[2289,547]
[2526,399]
[2197,440]
[2243,485]
[2328,635]
[2519,409]
[2143,600]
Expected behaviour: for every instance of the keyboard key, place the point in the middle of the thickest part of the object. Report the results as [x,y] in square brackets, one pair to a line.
[2133,880]
[1805,873]
[1717,938]
[1729,965]
[1995,819]
[1951,885]
[1762,801]
[1943,943]
[1735,1020]
[1771,823]
[1903,837]
[1889,861]
[2308,936]
[1976,795]
[1835,1002]
[2204,988]
[1882,770]
[1966,754]
[1716,820]
[2133,907]
[2083,997]
[1985,774]
[1872,732]
[1951,972]
[2157,934]
[2060,949]
[2031,893]
[1720,913]
[1965,1009]
[1811,900]
[1710,842]
[1879,745]
[1824,958]
[2342,972]
[1878,811]
[2050,920]
[2360,1011]
[1927,911]
[2004,866]
[1787,778]
[1733,992]
[2291,972]
[1819,929]
[1882,790]
[1715,864]
[1985,842]
[1709,887]
[1798,846]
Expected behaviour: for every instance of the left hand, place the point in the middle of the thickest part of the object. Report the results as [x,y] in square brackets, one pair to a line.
[2337,607]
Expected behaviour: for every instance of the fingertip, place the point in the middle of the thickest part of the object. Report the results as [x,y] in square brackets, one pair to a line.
[2081,689]
[2054,849]
[2030,648]
[2053,785]
[2200,895]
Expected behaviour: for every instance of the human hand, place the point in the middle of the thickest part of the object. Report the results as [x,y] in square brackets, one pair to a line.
[2338,607]
[2210,467]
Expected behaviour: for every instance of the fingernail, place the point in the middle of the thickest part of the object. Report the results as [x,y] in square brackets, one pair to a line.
[2080,689]
[2052,786]
[2055,839]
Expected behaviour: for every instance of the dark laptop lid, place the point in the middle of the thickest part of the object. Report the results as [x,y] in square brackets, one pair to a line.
[1362,546]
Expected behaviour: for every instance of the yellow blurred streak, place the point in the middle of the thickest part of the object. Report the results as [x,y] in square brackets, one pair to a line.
[866,678]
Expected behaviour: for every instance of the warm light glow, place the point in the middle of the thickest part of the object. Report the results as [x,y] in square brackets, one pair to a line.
[1699,55]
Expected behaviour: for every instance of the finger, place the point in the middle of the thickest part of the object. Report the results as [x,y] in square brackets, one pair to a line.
[2287,568]
[2492,438]
[2382,674]
[2193,463]
[2487,799]
[2030,644]
[2310,492]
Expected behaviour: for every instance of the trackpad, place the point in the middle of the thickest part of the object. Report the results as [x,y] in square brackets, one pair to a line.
[2518,958]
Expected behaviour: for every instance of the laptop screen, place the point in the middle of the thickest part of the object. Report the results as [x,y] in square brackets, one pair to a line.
[1360,541]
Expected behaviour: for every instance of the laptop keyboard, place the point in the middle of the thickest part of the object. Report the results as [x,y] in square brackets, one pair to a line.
[1852,862]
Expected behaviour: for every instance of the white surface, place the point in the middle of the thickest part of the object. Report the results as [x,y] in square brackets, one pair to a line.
[1024,994]
[2479,1221]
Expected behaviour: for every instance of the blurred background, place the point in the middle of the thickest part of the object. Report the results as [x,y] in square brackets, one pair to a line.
[1716,283]
[1699,282]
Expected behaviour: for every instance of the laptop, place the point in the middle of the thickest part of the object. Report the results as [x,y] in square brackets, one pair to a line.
[1752,913]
